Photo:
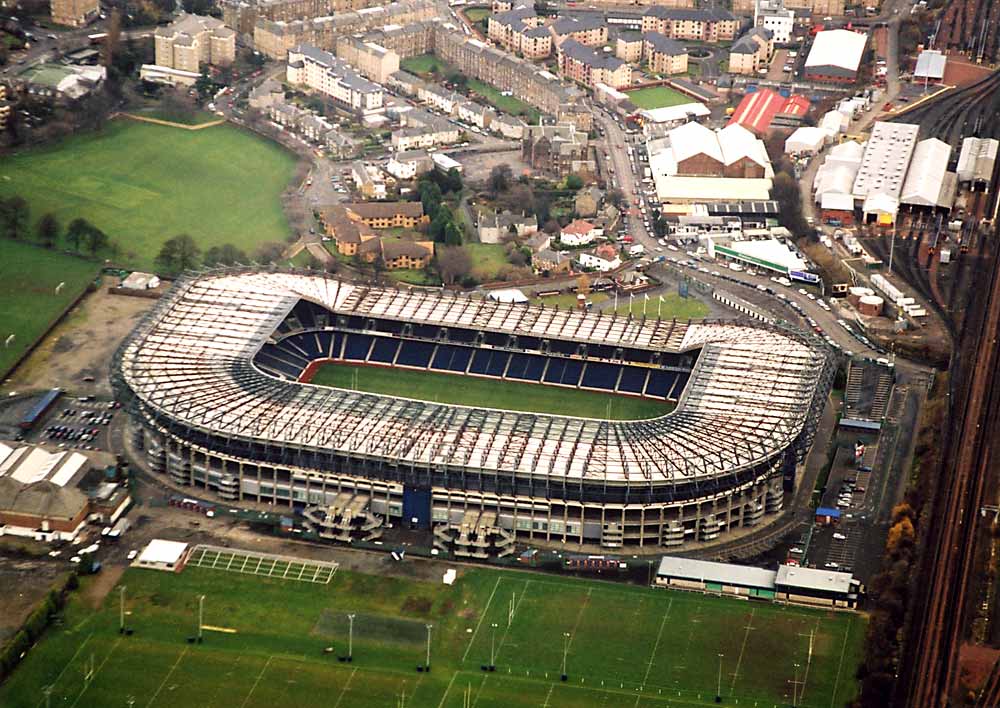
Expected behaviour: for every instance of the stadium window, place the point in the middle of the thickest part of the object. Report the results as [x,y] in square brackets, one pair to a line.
[524,524]
[440,514]
[556,526]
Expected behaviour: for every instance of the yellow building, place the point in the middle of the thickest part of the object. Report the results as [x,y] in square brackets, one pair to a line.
[75,13]
[193,40]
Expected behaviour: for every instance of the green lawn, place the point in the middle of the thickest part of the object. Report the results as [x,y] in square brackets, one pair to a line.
[475,14]
[627,645]
[673,307]
[658,97]
[567,300]
[422,65]
[507,104]
[490,393]
[192,118]
[29,276]
[413,276]
[487,260]
[143,184]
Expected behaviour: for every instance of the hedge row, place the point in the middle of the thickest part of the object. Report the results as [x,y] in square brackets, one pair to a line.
[35,625]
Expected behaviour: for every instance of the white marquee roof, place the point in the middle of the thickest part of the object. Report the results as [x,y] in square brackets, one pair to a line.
[839,48]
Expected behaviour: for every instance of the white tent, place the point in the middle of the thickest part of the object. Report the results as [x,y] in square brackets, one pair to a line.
[806,141]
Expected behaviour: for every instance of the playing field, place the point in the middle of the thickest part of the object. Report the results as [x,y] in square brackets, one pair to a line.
[673,307]
[143,184]
[265,639]
[658,97]
[422,64]
[29,276]
[490,393]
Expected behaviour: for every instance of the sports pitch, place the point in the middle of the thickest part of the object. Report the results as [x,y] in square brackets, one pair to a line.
[265,639]
[143,184]
[473,391]
[658,97]
[29,276]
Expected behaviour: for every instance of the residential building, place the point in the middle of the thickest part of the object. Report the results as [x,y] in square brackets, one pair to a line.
[494,228]
[835,56]
[817,8]
[75,13]
[603,258]
[587,201]
[402,254]
[242,15]
[59,82]
[510,127]
[579,233]
[706,25]
[664,55]
[439,98]
[560,149]
[367,181]
[518,30]
[371,60]
[324,73]
[389,215]
[629,47]
[409,165]
[404,82]
[266,95]
[589,30]
[772,16]
[422,129]
[752,52]
[192,41]
[346,229]
[590,67]
[549,261]
[477,115]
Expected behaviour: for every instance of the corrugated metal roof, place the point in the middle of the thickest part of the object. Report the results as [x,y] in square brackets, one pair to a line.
[712,572]
[793,577]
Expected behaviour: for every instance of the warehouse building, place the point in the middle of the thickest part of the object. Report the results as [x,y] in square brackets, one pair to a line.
[977,160]
[930,66]
[928,181]
[878,184]
[38,496]
[761,110]
[836,56]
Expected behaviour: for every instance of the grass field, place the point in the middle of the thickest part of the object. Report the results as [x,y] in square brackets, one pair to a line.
[422,64]
[143,184]
[674,307]
[29,276]
[507,104]
[475,14]
[658,97]
[567,300]
[476,392]
[627,646]
[487,260]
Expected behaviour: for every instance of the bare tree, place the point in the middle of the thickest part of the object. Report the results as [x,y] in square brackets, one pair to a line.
[453,263]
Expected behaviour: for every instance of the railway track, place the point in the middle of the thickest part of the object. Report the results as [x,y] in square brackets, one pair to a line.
[928,670]
[970,110]
[971,27]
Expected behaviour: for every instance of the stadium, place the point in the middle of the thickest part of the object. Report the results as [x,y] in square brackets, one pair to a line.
[216,379]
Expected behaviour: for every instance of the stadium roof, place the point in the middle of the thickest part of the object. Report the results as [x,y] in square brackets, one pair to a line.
[928,181]
[713,572]
[839,48]
[930,65]
[191,363]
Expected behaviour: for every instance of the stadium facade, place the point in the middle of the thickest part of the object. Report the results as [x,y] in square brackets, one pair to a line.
[215,380]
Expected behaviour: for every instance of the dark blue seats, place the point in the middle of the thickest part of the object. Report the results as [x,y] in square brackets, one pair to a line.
[495,339]
[498,363]
[384,351]
[480,360]
[451,358]
[555,370]
[561,347]
[679,385]
[304,343]
[357,346]
[637,355]
[597,375]
[659,383]
[526,367]
[304,313]
[571,375]
[600,351]
[461,335]
[529,343]
[414,353]
[270,359]
[633,380]
[425,331]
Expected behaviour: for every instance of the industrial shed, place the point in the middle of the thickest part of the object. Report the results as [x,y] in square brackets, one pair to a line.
[879,181]
[836,56]
[709,576]
[930,65]
[977,160]
[814,586]
[928,181]
[806,141]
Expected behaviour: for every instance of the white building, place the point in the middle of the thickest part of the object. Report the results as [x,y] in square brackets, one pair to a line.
[598,261]
[137,280]
[835,56]
[409,165]
[163,555]
[324,73]
[772,15]
[879,181]
[977,159]
[579,233]
[928,181]
[834,181]
[806,140]
[445,163]
[930,65]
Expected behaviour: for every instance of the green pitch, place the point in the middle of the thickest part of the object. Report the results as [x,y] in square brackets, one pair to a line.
[658,97]
[490,393]
[673,307]
[29,276]
[143,184]
[626,646]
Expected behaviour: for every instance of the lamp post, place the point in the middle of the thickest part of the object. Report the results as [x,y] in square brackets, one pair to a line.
[121,610]
[795,687]
[493,641]
[565,653]
[427,664]
[201,615]
[350,637]
[718,692]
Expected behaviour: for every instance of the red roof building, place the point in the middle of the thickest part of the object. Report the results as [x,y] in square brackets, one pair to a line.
[757,110]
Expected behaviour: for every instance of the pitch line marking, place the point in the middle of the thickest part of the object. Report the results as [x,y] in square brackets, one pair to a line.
[659,635]
[257,680]
[548,696]
[840,665]
[517,605]
[448,689]
[486,609]
[579,618]
[479,691]
[347,685]
[809,656]
[165,678]
[739,661]
[71,660]
[87,685]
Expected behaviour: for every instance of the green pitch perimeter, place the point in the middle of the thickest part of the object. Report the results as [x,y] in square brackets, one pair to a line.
[143,184]
[29,276]
[627,646]
[489,393]
[658,97]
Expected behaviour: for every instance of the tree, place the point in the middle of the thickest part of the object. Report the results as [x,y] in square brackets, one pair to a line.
[94,240]
[452,234]
[574,182]
[454,181]
[269,252]
[204,85]
[76,231]
[48,230]
[500,179]
[430,197]
[178,254]
[457,78]
[453,263]
[112,38]
[616,197]
[439,224]
[785,191]
[226,254]
[15,216]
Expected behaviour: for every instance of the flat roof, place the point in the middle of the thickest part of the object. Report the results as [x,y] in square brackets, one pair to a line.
[790,576]
[770,250]
[160,551]
[713,572]
[886,159]
[930,65]
[702,189]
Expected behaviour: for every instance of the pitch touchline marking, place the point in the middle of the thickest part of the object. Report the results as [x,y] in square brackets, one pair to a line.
[579,617]
[809,656]
[739,661]
[656,645]
[506,631]
[448,689]
[169,674]
[481,618]
[257,680]
[71,660]
[548,696]
[87,685]
[840,666]
[479,690]
[347,685]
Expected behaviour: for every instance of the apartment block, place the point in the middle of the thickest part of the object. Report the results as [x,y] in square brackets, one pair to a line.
[193,40]
[705,25]
[370,59]
[752,52]
[519,30]
[629,47]
[75,13]
[589,30]
[324,73]
[664,55]
[558,149]
[591,67]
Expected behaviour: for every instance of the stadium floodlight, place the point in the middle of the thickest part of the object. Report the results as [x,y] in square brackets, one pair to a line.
[565,653]
[493,642]
[121,610]
[350,637]
[427,664]
[201,614]
[718,692]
